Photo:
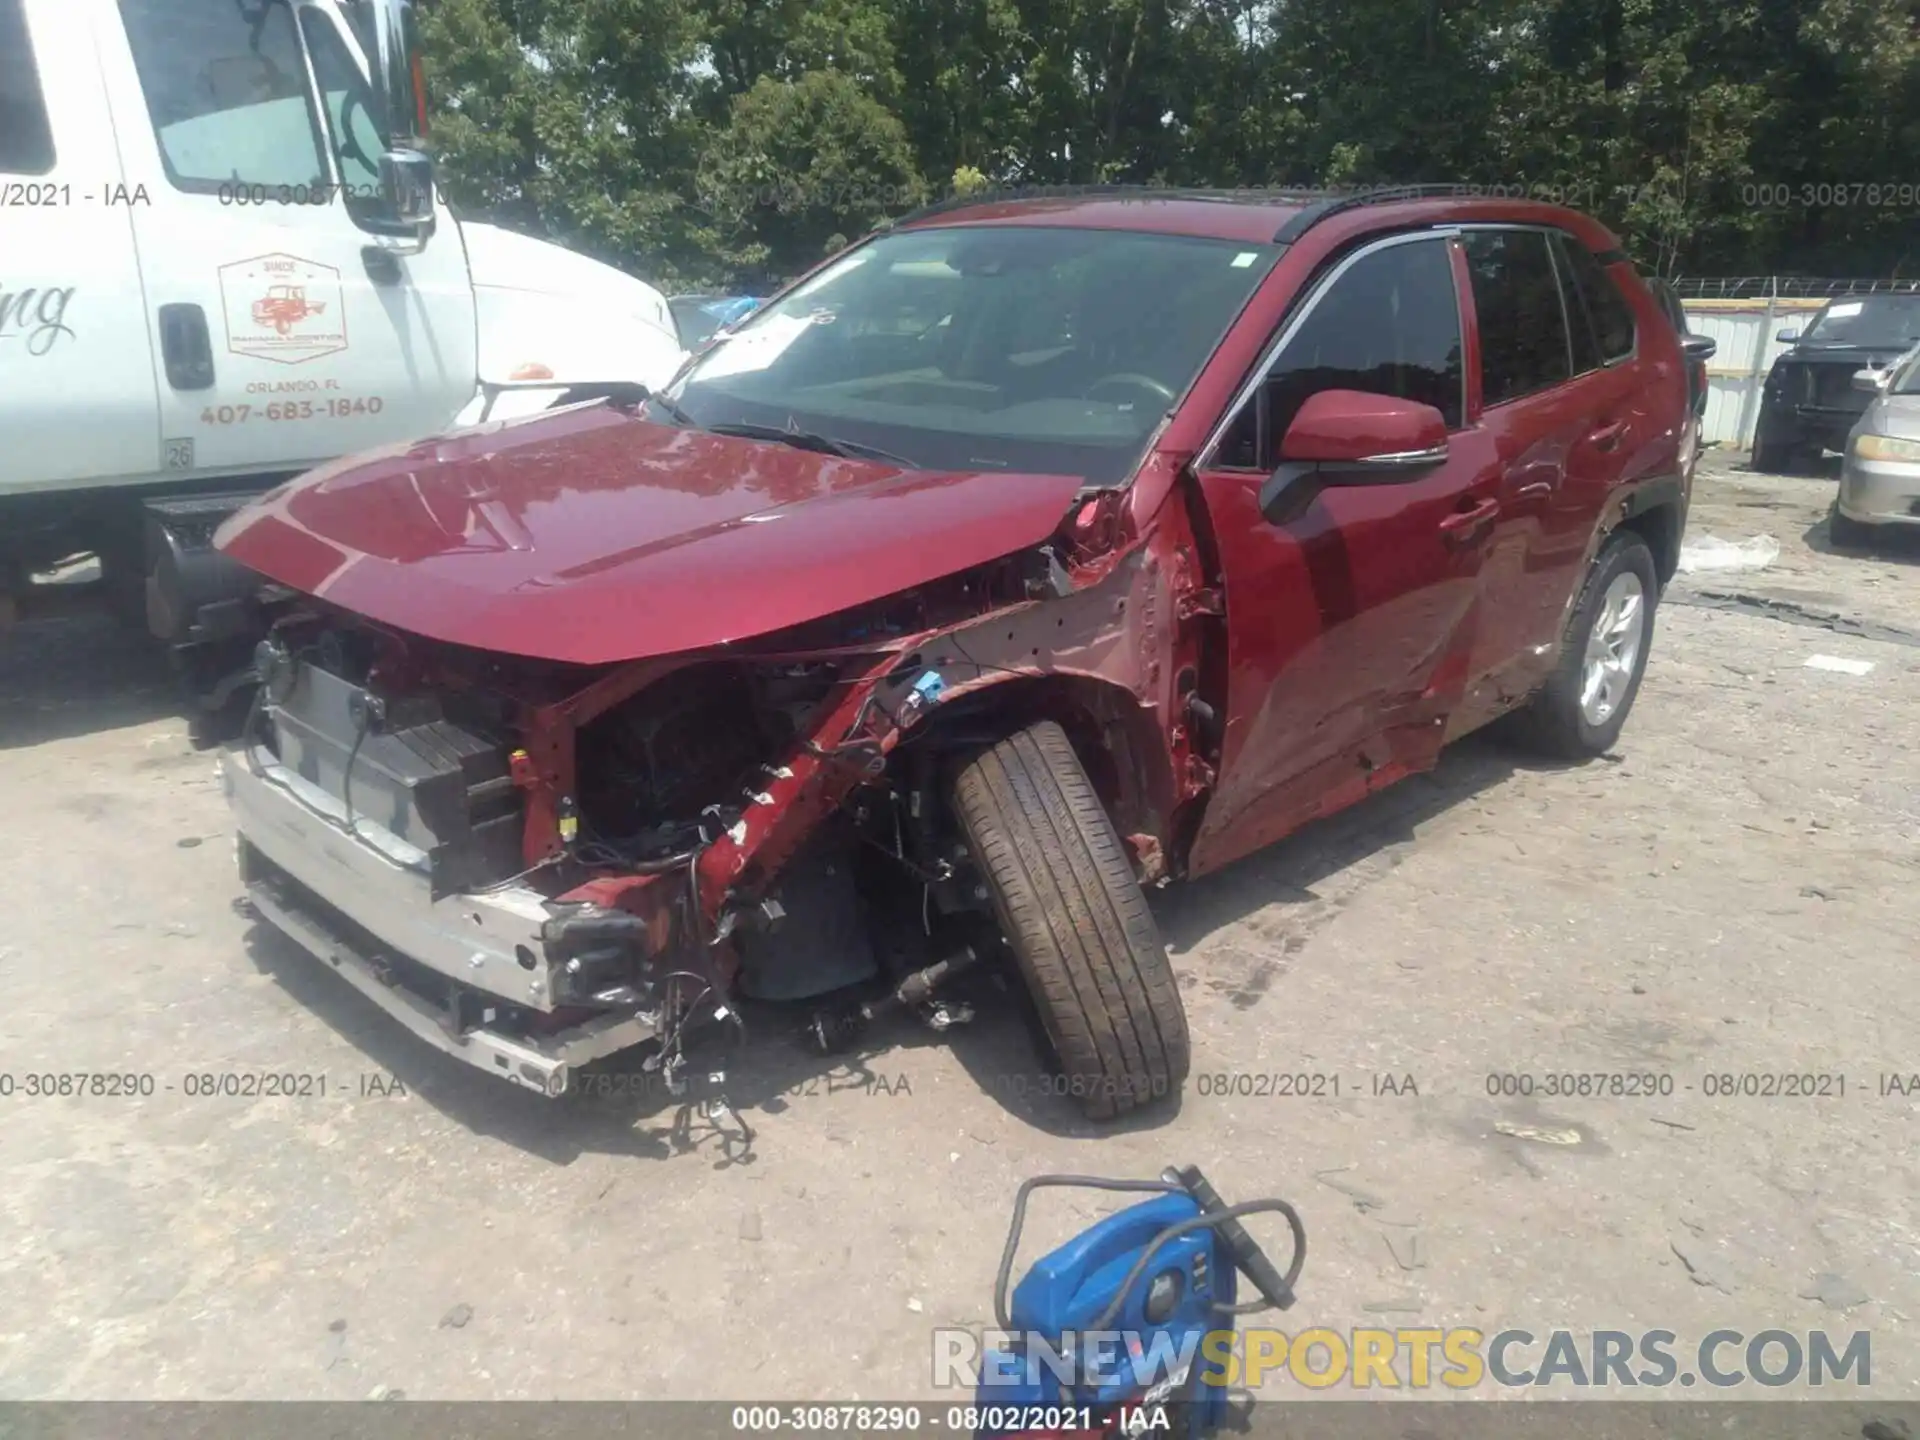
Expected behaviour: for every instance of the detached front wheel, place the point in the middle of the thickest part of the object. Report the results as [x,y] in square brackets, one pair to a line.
[1087,946]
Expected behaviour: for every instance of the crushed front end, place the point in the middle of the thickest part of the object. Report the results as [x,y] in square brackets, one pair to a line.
[521,861]
[534,864]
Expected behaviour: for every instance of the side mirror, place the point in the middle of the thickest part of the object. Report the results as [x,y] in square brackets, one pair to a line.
[1352,437]
[1698,348]
[406,188]
[399,86]
[1787,337]
[1872,381]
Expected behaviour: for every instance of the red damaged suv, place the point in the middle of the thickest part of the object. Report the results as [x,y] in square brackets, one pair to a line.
[1030,552]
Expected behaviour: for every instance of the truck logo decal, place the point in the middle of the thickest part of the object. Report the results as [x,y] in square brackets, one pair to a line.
[39,317]
[282,308]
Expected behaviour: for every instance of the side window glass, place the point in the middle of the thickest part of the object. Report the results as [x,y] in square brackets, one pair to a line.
[1390,325]
[357,141]
[1523,328]
[226,91]
[1584,338]
[1608,313]
[26,139]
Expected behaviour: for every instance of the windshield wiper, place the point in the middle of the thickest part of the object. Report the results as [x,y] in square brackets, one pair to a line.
[661,402]
[810,440]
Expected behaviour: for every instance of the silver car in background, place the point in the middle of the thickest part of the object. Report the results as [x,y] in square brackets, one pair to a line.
[1880,475]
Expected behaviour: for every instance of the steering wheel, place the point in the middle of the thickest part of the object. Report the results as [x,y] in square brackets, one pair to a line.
[350,146]
[1134,380]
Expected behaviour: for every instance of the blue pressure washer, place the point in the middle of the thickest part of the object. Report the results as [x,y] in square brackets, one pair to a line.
[1105,1334]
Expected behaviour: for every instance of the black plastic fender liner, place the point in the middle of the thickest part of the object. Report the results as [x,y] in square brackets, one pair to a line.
[1664,501]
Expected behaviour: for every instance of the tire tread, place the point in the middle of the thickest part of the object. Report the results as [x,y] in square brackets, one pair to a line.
[1078,922]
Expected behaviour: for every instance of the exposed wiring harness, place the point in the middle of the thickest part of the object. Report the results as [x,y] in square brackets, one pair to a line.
[353,757]
[678,1017]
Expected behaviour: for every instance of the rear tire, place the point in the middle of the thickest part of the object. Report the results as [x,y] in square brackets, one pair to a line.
[1566,719]
[1846,532]
[1086,943]
[1775,456]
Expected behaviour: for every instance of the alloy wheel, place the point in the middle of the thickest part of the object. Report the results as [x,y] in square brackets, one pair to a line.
[1613,648]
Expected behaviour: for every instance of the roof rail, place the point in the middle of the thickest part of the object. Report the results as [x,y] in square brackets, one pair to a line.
[1317,202]
[1305,220]
[1249,195]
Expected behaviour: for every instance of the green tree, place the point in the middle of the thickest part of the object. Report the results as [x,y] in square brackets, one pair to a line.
[716,141]
[802,166]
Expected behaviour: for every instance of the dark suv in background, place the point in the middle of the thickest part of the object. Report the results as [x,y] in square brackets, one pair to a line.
[1810,402]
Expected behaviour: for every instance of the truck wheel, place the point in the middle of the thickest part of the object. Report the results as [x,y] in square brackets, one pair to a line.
[1069,905]
[123,579]
[1581,710]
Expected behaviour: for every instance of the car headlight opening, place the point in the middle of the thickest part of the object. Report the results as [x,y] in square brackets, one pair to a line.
[1885,447]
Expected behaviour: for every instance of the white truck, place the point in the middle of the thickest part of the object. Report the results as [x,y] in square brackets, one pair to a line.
[223,260]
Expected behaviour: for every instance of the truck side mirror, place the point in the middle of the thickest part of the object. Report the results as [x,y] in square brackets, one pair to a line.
[1872,381]
[1787,337]
[405,168]
[406,188]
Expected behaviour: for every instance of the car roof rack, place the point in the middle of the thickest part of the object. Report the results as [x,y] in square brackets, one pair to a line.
[1315,201]
[1264,195]
[1298,224]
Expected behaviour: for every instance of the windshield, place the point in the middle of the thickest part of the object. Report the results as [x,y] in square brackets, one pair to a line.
[698,317]
[986,347]
[1870,320]
[1906,374]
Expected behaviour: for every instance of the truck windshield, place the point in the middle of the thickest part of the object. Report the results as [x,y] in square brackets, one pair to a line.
[1868,320]
[1033,348]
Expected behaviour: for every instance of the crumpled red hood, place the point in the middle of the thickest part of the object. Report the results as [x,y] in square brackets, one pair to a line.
[589,536]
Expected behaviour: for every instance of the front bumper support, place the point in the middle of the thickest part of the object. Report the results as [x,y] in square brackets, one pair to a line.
[353,899]
[544,1064]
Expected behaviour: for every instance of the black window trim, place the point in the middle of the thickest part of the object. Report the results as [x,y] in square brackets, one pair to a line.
[1206,458]
[1567,237]
[32,56]
[316,122]
[1607,260]
[1569,287]
[1561,281]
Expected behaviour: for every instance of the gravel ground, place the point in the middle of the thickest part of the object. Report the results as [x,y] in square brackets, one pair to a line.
[1732,893]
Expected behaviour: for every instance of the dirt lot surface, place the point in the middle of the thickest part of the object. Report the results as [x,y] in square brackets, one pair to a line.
[1732,894]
